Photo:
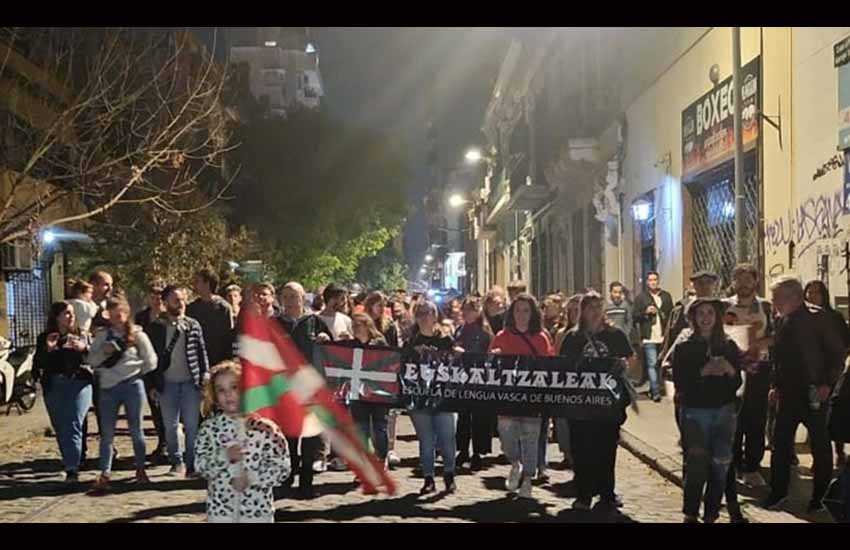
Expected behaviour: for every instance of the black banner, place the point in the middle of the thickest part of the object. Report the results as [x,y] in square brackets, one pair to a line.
[521,386]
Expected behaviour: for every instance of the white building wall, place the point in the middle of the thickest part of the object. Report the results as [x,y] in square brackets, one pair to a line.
[654,141]
[805,209]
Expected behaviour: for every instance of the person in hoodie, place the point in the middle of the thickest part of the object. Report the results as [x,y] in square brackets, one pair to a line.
[707,375]
[214,314]
[306,330]
[122,355]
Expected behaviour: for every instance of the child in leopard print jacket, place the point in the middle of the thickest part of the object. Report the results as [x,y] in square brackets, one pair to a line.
[242,458]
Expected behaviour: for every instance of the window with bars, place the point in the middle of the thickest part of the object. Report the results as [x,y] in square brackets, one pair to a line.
[27,304]
[713,221]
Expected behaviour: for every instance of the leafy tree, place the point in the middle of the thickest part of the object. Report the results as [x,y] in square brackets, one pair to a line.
[322,196]
[384,271]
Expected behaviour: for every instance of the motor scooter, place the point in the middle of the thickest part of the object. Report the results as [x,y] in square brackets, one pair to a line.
[17,386]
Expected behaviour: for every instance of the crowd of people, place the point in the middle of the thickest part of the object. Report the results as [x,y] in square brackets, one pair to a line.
[731,394]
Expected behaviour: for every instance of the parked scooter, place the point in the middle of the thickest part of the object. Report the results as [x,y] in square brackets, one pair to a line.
[17,387]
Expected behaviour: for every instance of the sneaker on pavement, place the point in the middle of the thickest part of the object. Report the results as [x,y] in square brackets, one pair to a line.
[319,466]
[476,463]
[176,470]
[774,502]
[192,474]
[393,458]
[142,477]
[754,479]
[514,477]
[690,519]
[101,486]
[429,487]
[72,477]
[542,477]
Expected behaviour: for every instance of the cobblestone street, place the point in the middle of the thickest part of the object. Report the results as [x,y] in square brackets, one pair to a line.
[31,490]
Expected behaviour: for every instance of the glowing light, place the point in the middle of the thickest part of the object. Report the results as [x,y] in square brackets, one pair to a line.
[310,49]
[456,201]
[642,211]
[48,237]
[473,156]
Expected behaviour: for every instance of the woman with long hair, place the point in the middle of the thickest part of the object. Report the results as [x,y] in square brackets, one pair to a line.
[375,305]
[474,336]
[371,418]
[523,335]
[707,374]
[59,364]
[818,294]
[122,355]
[593,443]
[427,344]
[562,427]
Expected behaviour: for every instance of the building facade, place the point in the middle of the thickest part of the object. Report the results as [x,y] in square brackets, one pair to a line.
[280,66]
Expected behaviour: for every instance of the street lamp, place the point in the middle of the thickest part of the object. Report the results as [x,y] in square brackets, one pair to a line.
[642,210]
[474,156]
[429,258]
[457,200]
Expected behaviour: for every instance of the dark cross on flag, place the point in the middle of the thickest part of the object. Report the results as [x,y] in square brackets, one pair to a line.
[361,374]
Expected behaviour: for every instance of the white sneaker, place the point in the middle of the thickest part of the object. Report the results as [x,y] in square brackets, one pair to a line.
[393,458]
[525,490]
[319,466]
[514,476]
[754,479]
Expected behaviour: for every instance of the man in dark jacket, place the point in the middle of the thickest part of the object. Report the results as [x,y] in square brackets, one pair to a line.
[144,319]
[652,313]
[617,309]
[306,330]
[181,372]
[807,358]
[214,315]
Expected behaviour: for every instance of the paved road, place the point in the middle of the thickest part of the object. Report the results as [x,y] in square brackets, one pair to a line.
[31,491]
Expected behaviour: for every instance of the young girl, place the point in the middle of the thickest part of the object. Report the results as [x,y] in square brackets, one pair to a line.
[707,373]
[520,435]
[242,458]
[122,355]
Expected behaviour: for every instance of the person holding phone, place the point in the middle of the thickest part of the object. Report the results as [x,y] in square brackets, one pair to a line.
[122,355]
[706,374]
[59,364]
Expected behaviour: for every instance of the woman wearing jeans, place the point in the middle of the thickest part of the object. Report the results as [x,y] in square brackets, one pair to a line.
[706,373]
[67,384]
[523,335]
[431,426]
[122,355]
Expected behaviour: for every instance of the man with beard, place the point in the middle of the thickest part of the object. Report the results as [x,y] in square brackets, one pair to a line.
[214,315]
[144,319]
[339,323]
[182,370]
[652,311]
[102,283]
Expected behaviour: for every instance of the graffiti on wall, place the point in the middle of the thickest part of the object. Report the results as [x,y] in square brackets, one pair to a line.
[815,219]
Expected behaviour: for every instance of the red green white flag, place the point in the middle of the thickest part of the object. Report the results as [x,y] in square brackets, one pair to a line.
[279,384]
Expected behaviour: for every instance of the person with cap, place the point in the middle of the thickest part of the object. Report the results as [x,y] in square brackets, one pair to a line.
[707,374]
[757,314]
[703,283]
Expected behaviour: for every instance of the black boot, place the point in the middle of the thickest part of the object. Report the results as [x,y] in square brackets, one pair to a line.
[429,487]
[449,479]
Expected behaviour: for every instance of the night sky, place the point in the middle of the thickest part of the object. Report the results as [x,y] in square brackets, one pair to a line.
[392,78]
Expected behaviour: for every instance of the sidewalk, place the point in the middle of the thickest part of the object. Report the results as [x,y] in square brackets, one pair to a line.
[652,436]
[17,428]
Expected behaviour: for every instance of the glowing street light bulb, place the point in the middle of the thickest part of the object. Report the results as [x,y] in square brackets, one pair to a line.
[429,258]
[474,156]
[456,201]
[48,237]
